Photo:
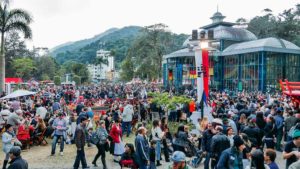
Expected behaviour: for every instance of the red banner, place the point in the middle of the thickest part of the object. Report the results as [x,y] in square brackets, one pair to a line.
[205,70]
[13,80]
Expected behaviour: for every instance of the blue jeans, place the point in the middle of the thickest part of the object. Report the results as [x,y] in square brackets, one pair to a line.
[54,142]
[206,162]
[158,150]
[80,157]
[143,166]
[126,125]
[152,165]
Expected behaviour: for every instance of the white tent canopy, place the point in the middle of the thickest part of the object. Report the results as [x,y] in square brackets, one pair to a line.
[18,93]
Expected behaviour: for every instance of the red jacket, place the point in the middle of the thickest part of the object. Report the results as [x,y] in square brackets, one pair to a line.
[116,133]
[23,133]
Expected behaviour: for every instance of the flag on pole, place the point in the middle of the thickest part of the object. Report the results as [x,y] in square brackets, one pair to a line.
[199,73]
[205,70]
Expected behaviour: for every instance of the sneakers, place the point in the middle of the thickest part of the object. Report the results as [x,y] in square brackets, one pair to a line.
[61,153]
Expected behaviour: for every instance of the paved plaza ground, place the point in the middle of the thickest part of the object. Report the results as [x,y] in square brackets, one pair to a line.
[39,157]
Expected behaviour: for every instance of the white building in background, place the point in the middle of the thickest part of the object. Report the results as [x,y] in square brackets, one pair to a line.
[102,71]
[40,51]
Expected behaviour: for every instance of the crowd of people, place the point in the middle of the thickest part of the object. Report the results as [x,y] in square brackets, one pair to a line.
[242,130]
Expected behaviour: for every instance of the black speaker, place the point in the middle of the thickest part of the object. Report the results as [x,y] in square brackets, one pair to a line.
[202,34]
[210,34]
[194,34]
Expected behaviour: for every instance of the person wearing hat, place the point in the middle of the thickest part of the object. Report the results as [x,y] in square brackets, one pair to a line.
[60,127]
[291,151]
[8,141]
[17,162]
[232,157]
[15,118]
[3,116]
[179,161]
[102,134]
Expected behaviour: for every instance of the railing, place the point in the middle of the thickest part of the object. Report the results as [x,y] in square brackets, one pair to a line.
[289,87]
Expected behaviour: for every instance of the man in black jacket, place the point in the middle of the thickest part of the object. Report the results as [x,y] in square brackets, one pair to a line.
[80,143]
[205,144]
[219,143]
[16,160]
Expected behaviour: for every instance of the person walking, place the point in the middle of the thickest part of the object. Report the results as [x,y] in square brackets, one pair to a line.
[60,127]
[80,139]
[17,162]
[102,144]
[157,135]
[142,148]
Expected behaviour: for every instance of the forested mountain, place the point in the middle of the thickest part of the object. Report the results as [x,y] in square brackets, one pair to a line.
[117,41]
[70,46]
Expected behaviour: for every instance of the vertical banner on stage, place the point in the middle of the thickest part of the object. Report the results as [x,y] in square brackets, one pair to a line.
[199,73]
[205,70]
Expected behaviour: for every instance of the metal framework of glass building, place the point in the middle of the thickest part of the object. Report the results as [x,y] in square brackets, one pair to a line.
[237,60]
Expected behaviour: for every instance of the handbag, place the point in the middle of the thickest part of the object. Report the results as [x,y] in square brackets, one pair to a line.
[94,138]
[106,147]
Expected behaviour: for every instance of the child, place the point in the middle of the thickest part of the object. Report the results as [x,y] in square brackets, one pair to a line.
[270,156]
[152,154]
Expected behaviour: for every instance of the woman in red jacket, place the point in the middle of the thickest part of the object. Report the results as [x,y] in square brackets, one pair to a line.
[24,134]
[116,134]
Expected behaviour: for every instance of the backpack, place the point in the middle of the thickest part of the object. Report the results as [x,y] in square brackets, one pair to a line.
[94,138]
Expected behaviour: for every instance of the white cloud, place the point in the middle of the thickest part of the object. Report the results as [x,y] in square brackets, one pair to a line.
[59,21]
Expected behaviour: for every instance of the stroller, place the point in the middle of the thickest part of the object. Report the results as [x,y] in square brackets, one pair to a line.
[195,162]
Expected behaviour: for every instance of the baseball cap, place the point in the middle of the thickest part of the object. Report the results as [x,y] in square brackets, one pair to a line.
[15,150]
[296,134]
[178,156]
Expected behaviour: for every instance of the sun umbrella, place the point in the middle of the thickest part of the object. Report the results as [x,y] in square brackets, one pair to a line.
[18,93]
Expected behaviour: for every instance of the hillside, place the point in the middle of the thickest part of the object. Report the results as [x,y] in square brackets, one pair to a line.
[70,46]
[118,41]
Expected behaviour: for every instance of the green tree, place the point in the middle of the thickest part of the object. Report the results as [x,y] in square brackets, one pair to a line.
[11,20]
[147,52]
[15,48]
[77,79]
[127,68]
[77,69]
[24,68]
[45,66]
[286,25]
[101,61]
[57,80]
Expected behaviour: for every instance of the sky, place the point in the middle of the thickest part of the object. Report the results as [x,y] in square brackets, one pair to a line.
[61,21]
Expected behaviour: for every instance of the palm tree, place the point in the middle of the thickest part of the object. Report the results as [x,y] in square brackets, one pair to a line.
[11,20]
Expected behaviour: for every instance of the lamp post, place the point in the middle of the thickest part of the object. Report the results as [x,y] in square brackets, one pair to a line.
[201,56]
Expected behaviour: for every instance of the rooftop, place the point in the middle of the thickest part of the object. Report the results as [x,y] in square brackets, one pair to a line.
[267,44]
